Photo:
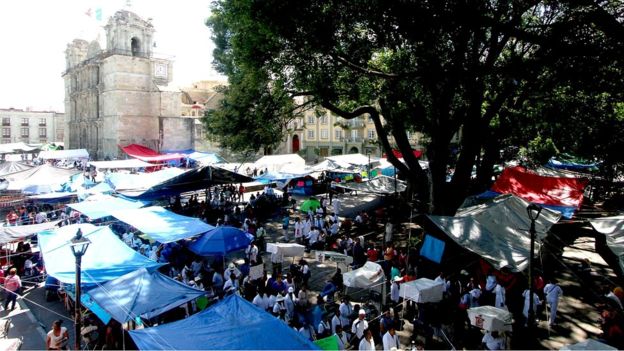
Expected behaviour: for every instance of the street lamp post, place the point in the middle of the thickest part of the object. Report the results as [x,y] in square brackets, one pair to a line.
[79,245]
[533,211]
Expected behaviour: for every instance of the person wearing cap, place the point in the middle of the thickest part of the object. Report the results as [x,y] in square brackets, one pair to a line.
[290,302]
[390,339]
[553,292]
[394,289]
[359,326]
[232,270]
[279,306]
[367,343]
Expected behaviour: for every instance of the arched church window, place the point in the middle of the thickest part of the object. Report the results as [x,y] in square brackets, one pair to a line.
[135,45]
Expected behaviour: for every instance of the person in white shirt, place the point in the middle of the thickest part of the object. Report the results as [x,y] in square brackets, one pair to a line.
[367,343]
[493,341]
[360,325]
[499,296]
[336,321]
[390,339]
[298,230]
[345,309]
[279,306]
[389,232]
[307,331]
[394,290]
[231,285]
[290,301]
[553,292]
[252,253]
[232,270]
[312,236]
[259,302]
[324,328]
[335,227]
[336,205]
[196,266]
[272,301]
[536,302]
[342,338]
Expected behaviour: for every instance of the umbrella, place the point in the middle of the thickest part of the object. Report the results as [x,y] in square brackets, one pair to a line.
[310,204]
[490,318]
[220,241]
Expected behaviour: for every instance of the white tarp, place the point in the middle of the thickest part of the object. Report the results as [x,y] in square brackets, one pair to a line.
[16,148]
[378,185]
[364,277]
[44,176]
[498,230]
[613,229]
[354,159]
[116,164]
[289,163]
[589,344]
[286,249]
[16,233]
[490,318]
[422,290]
[64,154]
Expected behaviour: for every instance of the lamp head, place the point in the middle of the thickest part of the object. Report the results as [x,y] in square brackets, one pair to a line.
[79,244]
[534,211]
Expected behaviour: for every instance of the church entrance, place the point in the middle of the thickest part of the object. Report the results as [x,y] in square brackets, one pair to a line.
[295,143]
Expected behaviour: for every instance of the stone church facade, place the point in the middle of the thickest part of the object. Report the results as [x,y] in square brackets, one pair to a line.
[118,95]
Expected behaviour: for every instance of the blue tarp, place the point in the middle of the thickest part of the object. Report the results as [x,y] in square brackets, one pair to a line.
[432,249]
[220,241]
[572,166]
[103,208]
[231,324]
[106,258]
[205,157]
[162,225]
[142,294]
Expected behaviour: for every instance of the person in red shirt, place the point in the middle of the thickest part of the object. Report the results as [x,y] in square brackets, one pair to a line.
[12,218]
[372,253]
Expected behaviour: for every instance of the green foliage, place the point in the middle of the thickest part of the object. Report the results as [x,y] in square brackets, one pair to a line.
[539,150]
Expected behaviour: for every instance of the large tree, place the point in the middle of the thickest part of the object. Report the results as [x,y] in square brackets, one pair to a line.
[438,66]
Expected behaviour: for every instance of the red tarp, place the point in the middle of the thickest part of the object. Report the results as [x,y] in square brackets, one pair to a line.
[148,155]
[398,154]
[535,188]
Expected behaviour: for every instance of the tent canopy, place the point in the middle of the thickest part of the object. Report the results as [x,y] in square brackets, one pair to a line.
[220,241]
[162,225]
[141,181]
[379,185]
[118,164]
[190,180]
[557,191]
[12,234]
[142,293]
[41,179]
[106,258]
[105,206]
[144,153]
[281,163]
[13,167]
[354,159]
[364,277]
[231,324]
[205,158]
[17,148]
[64,154]
[613,229]
[497,230]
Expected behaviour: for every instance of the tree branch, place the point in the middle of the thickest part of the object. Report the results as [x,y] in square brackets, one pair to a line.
[364,69]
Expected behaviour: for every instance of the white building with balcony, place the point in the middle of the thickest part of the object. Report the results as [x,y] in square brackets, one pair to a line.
[31,127]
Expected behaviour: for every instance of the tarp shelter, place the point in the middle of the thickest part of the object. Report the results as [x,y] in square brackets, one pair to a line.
[101,188]
[142,294]
[613,229]
[105,206]
[220,241]
[380,185]
[231,324]
[572,164]
[497,230]
[120,164]
[554,192]
[146,154]
[54,197]
[364,277]
[75,154]
[358,160]
[422,290]
[141,181]
[162,225]
[12,234]
[44,178]
[12,167]
[106,258]
[490,318]
[286,249]
[205,158]
[190,180]
[17,148]
[280,163]
[589,344]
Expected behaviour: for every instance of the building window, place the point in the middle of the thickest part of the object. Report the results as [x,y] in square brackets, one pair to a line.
[310,134]
[6,121]
[24,132]
[355,134]
[310,119]
[338,133]
[43,133]
[324,119]
[42,121]
[324,134]
[6,132]
[24,121]
[371,134]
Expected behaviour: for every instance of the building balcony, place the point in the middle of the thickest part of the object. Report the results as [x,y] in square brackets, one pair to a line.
[43,125]
[6,124]
[355,124]
[352,140]
[25,124]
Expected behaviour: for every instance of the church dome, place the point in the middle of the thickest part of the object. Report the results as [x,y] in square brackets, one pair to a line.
[94,49]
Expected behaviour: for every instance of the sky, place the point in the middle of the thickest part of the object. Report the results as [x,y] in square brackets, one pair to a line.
[35,33]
